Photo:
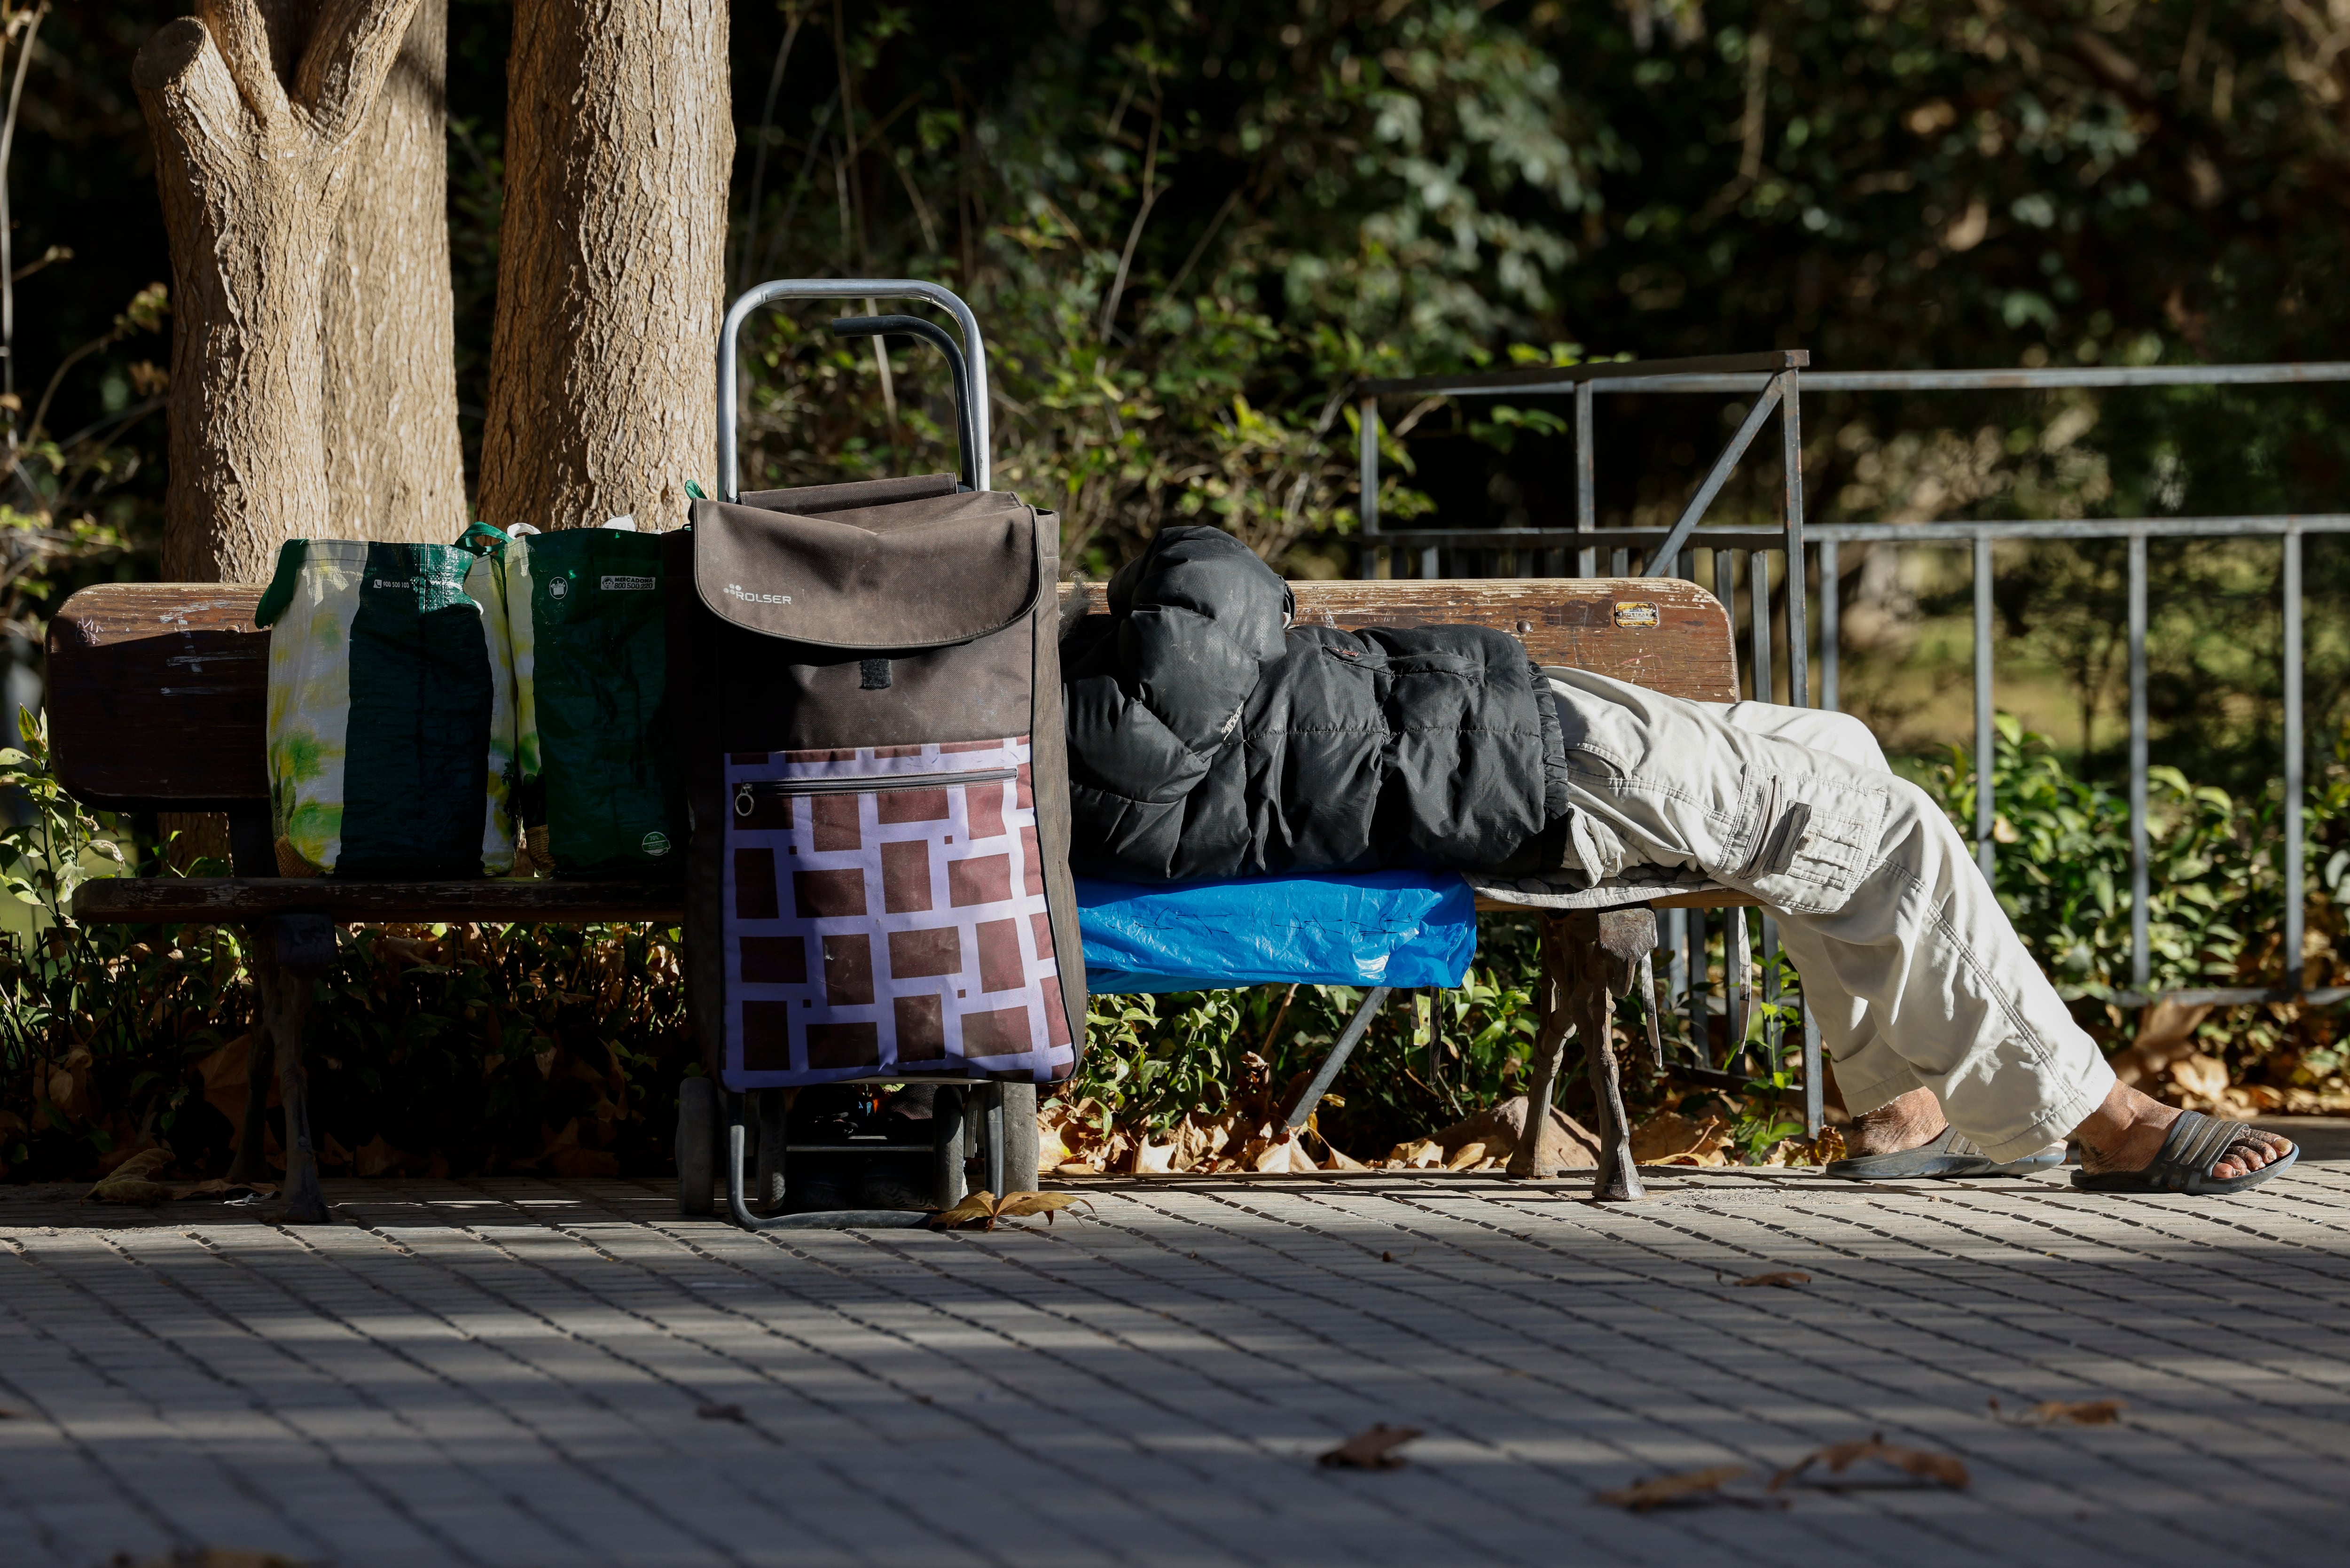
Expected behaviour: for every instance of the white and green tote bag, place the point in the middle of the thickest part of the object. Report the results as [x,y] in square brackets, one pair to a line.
[391,713]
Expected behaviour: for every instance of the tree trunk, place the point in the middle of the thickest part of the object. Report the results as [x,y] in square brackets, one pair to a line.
[254,112]
[611,281]
[395,467]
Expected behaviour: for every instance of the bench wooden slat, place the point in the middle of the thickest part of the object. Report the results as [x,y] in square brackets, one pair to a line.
[171,900]
[1583,623]
[158,691]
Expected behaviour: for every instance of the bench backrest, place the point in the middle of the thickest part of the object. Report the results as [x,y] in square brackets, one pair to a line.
[1664,633]
[158,691]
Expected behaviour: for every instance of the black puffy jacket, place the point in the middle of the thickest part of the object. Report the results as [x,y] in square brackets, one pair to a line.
[1208,738]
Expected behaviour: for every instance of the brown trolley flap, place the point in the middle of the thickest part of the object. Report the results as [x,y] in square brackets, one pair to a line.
[815,500]
[925,573]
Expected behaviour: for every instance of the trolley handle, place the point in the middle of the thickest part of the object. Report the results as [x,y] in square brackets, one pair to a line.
[932,333]
[976,458]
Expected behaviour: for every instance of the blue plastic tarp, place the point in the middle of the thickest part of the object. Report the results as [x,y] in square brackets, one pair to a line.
[1380,927]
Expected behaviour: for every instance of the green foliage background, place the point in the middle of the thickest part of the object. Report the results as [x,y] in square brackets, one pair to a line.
[1187,228]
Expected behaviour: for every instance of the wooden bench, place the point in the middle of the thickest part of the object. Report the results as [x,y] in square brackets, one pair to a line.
[157,696]
[156,700]
[1663,633]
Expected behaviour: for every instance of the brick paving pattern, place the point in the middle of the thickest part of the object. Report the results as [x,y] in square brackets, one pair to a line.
[522,1373]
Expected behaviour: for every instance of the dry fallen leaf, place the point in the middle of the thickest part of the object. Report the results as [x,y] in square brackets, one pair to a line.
[133,1181]
[984,1208]
[1685,1486]
[141,1167]
[1671,1138]
[975,1208]
[2201,1076]
[1467,1154]
[1374,1450]
[2067,1413]
[1922,1463]
[1276,1153]
[1784,1277]
[1022,1205]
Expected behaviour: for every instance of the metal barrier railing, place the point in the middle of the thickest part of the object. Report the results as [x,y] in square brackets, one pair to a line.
[1776,380]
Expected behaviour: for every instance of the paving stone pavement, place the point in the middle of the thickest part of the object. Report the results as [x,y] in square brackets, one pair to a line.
[525,1372]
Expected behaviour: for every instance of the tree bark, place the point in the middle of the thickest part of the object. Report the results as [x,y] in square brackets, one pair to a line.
[395,466]
[254,111]
[620,135]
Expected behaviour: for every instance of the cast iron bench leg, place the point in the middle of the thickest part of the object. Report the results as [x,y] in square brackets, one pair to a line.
[1589,958]
[1607,961]
[293,951]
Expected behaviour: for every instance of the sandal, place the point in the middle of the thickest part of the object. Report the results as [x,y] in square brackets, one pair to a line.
[2196,1145]
[1943,1158]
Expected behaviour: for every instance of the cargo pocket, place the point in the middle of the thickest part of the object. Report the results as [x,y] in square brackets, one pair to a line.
[1816,835]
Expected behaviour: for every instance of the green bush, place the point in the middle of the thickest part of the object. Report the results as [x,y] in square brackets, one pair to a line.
[434,1049]
[480,1049]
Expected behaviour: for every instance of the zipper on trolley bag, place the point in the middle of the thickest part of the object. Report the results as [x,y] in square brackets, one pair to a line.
[748,795]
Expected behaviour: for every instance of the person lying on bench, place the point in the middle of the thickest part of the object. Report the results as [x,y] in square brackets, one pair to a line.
[1211,737]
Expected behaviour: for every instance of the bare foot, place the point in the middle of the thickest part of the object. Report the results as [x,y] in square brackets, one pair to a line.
[2127,1131]
[1897,1126]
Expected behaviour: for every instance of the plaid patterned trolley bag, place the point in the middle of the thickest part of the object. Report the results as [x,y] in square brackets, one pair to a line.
[878,884]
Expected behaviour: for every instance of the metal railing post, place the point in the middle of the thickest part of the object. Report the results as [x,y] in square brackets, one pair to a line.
[1725,588]
[1676,934]
[1986,809]
[1831,625]
[1368,504]
[1701,1030]
[1799,694]
[1799,587]
[1815,1095]
[2141,958]
[1586,481]
[2295,873]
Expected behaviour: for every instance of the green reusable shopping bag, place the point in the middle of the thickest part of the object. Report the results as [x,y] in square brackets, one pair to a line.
[392,723]
[600,793]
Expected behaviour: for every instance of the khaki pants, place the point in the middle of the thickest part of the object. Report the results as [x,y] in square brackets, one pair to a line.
[1910,967]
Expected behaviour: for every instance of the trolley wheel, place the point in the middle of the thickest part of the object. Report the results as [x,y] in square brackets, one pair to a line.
[1020,1150]
[774,1109]
[697,1146]
[946,1147]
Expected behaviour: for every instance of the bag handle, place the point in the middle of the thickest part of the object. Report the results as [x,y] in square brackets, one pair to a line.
[981,467]
[483,539]
[932,333]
